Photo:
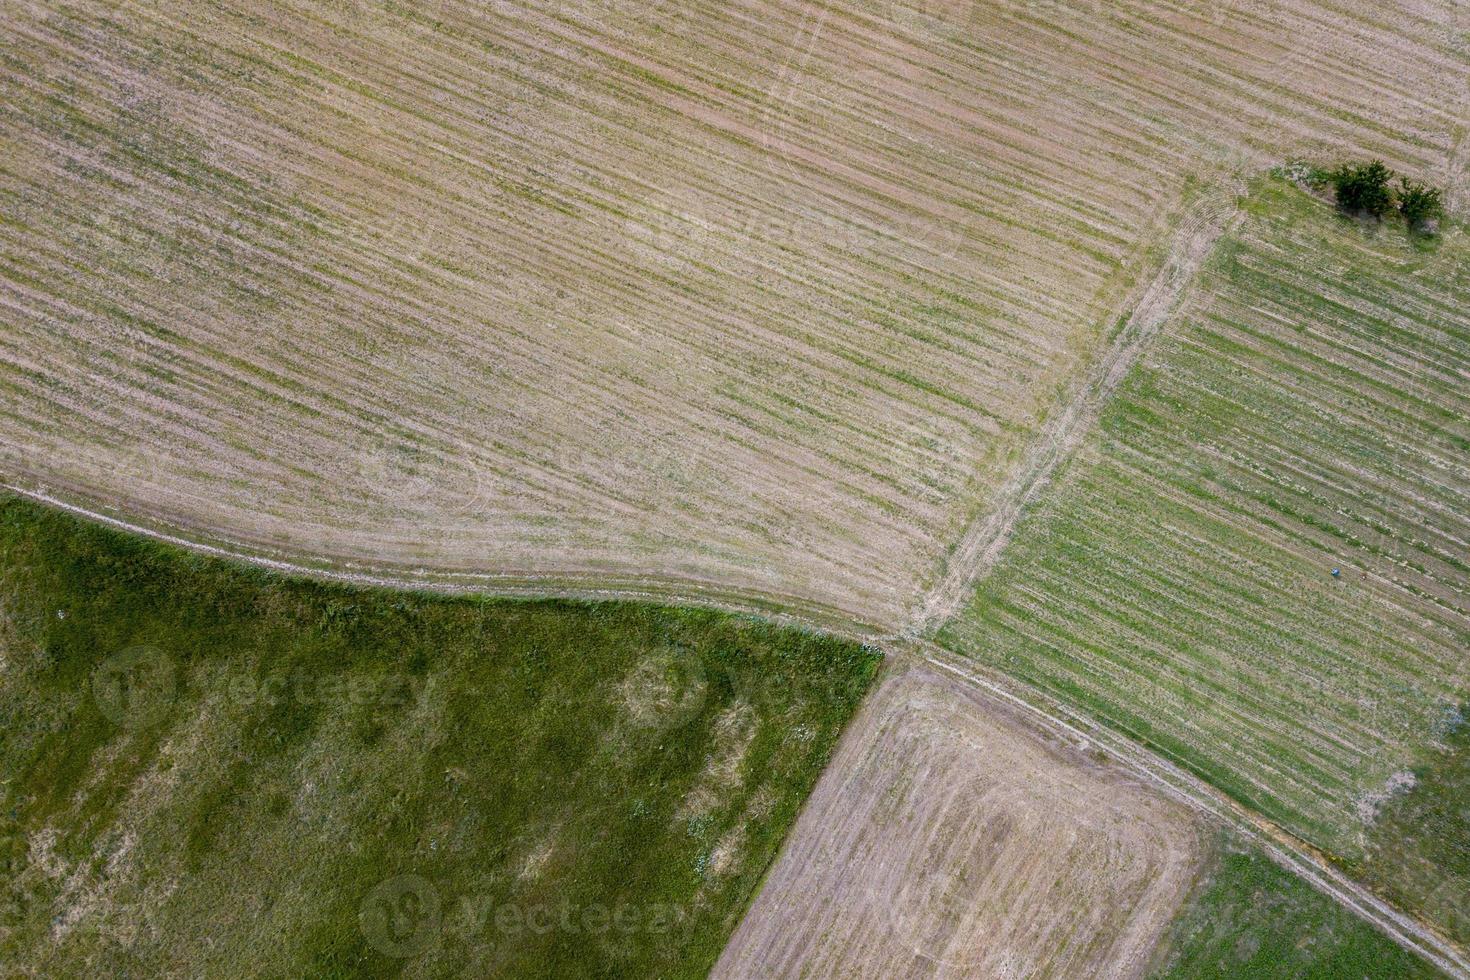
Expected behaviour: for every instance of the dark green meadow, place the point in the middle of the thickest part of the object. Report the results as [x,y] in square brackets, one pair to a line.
[210,770]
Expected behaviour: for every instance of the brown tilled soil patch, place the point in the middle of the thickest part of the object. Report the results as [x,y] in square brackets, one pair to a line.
[948,838]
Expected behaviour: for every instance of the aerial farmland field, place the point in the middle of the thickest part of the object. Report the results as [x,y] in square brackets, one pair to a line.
[759,298]
[1257,564]
[952,836]
[958,842]
[211,771]
[1018,343]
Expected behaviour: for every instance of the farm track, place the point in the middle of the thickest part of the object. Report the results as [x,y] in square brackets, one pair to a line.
[616,286]
[985,539]
[389,336]
[592,586]
[1283,847]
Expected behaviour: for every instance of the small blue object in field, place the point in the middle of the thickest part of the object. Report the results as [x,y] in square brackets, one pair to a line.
[1337,573]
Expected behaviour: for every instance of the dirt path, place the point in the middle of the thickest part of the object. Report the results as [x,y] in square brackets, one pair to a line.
[1285,849]
[1291,853]
[988,536]
[592,585]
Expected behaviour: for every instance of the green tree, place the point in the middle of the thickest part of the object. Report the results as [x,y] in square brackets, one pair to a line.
[1363,188]
[1419,204]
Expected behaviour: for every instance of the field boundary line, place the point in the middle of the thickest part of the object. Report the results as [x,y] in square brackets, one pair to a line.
[1283,847]
[988,534]
[782,608]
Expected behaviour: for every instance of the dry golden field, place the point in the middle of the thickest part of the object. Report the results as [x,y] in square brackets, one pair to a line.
[759,295]
[952,839]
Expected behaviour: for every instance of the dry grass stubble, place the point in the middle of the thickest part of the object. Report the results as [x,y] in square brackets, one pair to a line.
[949,839]
[765,296]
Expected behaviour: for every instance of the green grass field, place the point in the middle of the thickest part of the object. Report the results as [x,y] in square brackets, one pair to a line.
[213,771]
[1249,918]
[1418,853]
[1306,410]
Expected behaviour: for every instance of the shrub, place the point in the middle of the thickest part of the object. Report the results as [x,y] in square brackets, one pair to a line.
[1363,188]
[1419,204]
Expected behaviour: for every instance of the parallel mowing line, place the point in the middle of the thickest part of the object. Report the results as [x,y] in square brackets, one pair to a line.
[1176,579]
[448,287]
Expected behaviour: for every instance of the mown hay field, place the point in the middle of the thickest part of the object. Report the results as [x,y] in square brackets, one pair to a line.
[1306,411]
[951,838]
[211,771]
[764,295]
[954,836]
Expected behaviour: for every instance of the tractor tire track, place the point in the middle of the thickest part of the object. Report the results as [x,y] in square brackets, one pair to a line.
[1291,853]
[985,539]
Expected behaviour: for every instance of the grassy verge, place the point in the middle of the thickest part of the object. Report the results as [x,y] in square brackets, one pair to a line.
[210,770]
[1249,918]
